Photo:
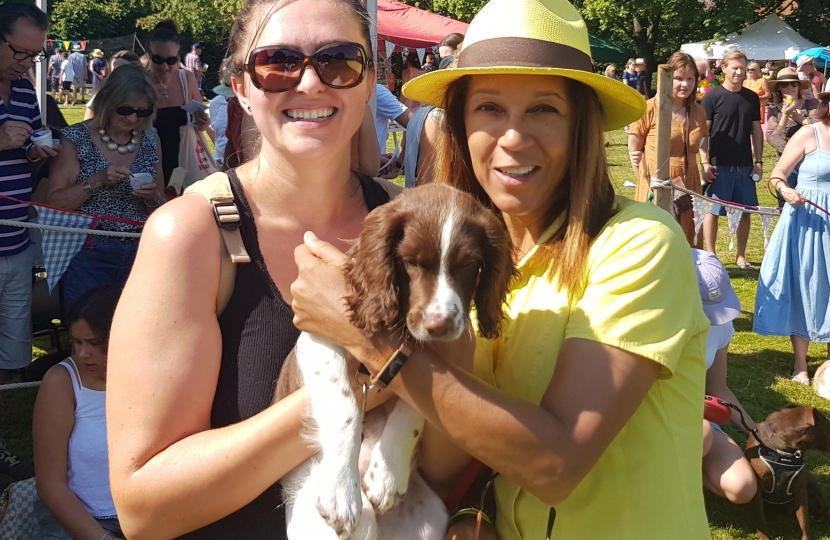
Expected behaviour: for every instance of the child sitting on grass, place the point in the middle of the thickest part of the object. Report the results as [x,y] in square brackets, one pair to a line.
[726,472]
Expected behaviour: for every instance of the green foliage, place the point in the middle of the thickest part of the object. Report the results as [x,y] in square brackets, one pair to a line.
[656,28]
[207,20]
[88,19]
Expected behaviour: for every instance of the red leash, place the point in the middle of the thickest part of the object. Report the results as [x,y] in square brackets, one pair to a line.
[774,192]
[97,217]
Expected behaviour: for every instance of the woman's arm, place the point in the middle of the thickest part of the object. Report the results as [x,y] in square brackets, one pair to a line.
[52,424]
[716,386]
[636,145]
[64,189]
[797,147]
[154,197]
[202,119]
[368,149]
[709,173]
[170,472]
[765,93]
[777,131]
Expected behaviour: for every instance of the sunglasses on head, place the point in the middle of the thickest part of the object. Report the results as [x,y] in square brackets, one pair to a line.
[127,111]
[279,69]
[170,60]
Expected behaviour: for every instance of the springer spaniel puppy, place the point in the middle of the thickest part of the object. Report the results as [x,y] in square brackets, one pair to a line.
[419,264]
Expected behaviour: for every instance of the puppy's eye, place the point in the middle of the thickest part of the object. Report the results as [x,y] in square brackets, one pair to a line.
[411,263]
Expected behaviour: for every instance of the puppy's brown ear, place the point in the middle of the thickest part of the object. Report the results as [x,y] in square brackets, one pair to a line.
[496,274]
[370,271]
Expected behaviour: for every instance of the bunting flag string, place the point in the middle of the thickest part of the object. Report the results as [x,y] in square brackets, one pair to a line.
[421,52]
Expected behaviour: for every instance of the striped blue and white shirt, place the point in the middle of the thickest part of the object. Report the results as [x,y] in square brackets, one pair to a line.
[15,172]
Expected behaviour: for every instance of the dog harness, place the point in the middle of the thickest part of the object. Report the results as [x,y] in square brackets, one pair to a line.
[784,463]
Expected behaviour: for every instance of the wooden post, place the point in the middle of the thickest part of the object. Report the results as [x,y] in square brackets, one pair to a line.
[663,197]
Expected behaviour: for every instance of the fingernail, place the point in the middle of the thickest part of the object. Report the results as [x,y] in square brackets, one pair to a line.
[310,236]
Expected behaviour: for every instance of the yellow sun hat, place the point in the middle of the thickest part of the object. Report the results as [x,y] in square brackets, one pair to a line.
[531,37]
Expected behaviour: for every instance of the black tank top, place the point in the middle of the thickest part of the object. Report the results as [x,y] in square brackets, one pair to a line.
[257,335]
[168,123]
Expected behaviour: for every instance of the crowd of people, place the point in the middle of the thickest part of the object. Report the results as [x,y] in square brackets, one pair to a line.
[162,423]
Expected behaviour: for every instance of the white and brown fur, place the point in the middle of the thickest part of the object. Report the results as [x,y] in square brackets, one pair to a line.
[420,262]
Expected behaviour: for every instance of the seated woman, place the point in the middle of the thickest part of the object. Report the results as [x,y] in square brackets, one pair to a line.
[590,401]
[70,431]
[92,174]
[726,472]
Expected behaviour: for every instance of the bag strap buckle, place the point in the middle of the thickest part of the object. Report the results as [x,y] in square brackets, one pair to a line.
[226,215]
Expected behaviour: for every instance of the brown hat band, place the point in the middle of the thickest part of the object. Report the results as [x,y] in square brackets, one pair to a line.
[524,52]
[787,78]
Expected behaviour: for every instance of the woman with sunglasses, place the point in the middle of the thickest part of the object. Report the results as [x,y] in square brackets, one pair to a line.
[92,175]
[789,110]
[197,445]
[176,87]
[589,401]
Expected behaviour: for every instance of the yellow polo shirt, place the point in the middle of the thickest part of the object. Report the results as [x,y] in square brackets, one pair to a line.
[641,296]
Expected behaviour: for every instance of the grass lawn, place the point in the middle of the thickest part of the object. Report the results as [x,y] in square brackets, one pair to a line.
[758,369]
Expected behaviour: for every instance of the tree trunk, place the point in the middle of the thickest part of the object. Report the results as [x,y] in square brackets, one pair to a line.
[645,39]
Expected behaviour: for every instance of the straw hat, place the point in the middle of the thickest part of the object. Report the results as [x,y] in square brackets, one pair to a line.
[788,74]
[535,37]
[97,53]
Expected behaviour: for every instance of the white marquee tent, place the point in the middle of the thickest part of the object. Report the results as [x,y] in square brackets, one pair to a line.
[768,39]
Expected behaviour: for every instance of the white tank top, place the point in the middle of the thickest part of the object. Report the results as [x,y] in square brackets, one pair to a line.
[88,475]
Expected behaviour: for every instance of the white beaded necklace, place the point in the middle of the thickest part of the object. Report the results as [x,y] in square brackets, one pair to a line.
[120,148]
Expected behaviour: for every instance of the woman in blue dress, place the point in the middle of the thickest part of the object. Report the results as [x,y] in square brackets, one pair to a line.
[794,284]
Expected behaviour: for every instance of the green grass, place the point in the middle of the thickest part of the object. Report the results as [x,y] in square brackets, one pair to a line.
[758,369]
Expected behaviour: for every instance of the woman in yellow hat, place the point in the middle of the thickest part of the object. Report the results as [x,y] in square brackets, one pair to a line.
[590,401]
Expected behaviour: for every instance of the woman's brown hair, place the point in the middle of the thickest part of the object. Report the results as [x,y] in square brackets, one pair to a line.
[584,198]
[681,61]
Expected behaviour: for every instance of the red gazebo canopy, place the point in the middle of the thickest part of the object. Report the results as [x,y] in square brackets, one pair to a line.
[412,27]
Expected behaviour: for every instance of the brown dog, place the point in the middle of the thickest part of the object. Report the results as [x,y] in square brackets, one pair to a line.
[783,480]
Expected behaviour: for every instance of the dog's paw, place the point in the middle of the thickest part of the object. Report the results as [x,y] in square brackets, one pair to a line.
[383,486]
[340,504]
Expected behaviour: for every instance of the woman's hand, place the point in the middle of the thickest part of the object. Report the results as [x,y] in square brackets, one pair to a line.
[202,120]
[319,292]
[791,196]
[787,108]
[161,90]
[109,176]
[43,152]
[150,194]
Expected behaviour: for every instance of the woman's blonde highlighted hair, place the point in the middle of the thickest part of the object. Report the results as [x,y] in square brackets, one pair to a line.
[127,85]
[584,198]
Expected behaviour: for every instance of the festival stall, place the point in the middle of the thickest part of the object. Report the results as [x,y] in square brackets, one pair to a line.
[768,39]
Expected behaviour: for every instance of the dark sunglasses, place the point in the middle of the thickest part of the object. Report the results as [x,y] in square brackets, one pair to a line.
[279,69]
[170,60]
[127,111]
[788,84]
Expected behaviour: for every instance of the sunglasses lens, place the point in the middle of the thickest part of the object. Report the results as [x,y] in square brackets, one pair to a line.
[277,70]
[127,111]
[341,66]
[170,60]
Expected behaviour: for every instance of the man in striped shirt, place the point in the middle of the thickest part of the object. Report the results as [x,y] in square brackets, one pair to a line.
[22,35]
[193,64]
